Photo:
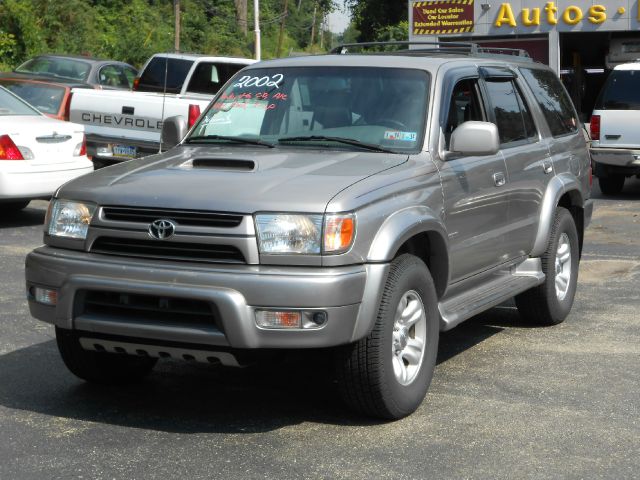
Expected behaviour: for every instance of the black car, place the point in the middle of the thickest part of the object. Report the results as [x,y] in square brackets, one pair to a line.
[100,73]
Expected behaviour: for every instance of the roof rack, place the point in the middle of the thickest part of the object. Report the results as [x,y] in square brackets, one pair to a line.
[432,48]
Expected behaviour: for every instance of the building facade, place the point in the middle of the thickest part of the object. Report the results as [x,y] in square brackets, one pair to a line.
[580,39]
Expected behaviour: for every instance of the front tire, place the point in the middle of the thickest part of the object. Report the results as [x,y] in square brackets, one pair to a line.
[550,302]
[612,184]
[100,367]
[387,374]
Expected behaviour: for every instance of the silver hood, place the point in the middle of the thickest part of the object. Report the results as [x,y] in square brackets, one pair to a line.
[231,179]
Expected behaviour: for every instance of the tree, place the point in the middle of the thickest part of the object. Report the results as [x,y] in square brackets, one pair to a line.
[372,16]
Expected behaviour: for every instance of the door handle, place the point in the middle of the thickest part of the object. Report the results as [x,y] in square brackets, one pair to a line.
[499,179]
[547,166]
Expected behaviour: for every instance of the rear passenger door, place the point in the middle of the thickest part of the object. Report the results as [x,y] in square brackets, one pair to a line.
[525,154]
[475,202]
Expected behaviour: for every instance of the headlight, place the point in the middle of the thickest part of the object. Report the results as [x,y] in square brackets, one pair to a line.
[289,233]
[281,233]
[69,219]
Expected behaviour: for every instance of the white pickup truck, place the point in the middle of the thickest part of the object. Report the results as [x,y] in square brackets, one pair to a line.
[121,125]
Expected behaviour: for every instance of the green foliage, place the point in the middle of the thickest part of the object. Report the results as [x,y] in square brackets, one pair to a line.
[132,30]
[373,18]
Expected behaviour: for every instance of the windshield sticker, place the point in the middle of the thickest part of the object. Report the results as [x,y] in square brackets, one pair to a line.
[266,81]
[402,136]
[228,105]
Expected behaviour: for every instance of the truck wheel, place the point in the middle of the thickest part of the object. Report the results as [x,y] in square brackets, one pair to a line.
[550,302]
[100,367]
[612,184]
[387,373]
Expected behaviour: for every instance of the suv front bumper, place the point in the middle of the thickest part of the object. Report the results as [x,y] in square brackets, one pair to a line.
[349,295]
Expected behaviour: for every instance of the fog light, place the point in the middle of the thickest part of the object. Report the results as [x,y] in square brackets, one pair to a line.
[45,296]
[278,319]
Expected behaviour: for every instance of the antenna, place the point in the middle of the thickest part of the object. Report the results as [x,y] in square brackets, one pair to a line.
[164,96]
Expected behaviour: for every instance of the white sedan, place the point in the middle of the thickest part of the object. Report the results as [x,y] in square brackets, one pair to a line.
[37,153]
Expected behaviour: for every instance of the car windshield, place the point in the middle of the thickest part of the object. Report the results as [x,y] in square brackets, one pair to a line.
[12,105]
[46,98]
[621,91]
[56,67]
[381,109]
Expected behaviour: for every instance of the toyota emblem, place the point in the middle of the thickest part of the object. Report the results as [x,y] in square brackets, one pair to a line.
[162,229]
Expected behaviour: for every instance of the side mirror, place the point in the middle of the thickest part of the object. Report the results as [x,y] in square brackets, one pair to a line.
[173,131]
[475,138]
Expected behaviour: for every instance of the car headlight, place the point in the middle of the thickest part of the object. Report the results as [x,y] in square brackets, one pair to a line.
[307,234]
[69,219]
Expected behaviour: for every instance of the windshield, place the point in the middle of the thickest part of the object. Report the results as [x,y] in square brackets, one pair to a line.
[12,105]
[56,67]
[378,107]
[621,91]
[46,98]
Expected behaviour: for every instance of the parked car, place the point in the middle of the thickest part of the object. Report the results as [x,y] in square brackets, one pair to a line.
[615,136]
[51,97]
[354,203]
[125,125]
[37,153]
[102,74]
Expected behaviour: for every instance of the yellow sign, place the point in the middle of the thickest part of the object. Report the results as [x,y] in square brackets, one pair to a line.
[571,15]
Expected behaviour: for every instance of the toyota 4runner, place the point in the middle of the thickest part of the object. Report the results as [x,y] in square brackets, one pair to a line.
[362,202]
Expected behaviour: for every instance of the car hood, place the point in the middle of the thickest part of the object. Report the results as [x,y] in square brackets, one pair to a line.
[231,179]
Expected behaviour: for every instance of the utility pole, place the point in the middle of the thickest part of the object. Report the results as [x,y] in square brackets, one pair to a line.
[284,17]
[176,11]
[256,19]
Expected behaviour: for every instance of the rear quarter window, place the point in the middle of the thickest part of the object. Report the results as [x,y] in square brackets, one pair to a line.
[621,91]
[553,99]
[209,77]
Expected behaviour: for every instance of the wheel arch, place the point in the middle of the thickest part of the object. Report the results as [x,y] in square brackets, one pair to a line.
[563,191]
[417,231]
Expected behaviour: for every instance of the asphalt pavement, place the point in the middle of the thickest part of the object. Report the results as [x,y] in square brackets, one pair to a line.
[507,400]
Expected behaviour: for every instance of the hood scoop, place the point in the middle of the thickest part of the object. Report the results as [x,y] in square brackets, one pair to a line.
[221,164]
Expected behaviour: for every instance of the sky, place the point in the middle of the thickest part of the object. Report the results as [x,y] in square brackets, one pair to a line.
[339,20]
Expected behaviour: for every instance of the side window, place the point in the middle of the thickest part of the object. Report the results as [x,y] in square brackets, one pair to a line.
[512,115]
[111,76]
[553,100]
[464,105]
[130,74]
[209,77]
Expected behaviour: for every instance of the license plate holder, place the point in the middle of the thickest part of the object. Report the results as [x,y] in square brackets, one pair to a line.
[124,151]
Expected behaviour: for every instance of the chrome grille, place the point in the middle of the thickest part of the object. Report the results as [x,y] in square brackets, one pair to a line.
[168,250]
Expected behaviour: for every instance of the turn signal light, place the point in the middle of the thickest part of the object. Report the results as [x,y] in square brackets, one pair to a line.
[8,149]
[339,232]
[278,319]
[594,126]
[45,296]
[194,114]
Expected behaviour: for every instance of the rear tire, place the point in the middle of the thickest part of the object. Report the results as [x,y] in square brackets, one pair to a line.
[612,184]
[387,374]
[100,367]
[550,302]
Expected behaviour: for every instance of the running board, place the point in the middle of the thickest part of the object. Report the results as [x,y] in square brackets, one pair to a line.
[500,287]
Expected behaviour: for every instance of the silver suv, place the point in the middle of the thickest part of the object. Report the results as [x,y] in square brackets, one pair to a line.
[357,202]
[615,146]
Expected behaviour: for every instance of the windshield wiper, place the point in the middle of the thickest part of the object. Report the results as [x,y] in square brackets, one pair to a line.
[348,141]
[207,138]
